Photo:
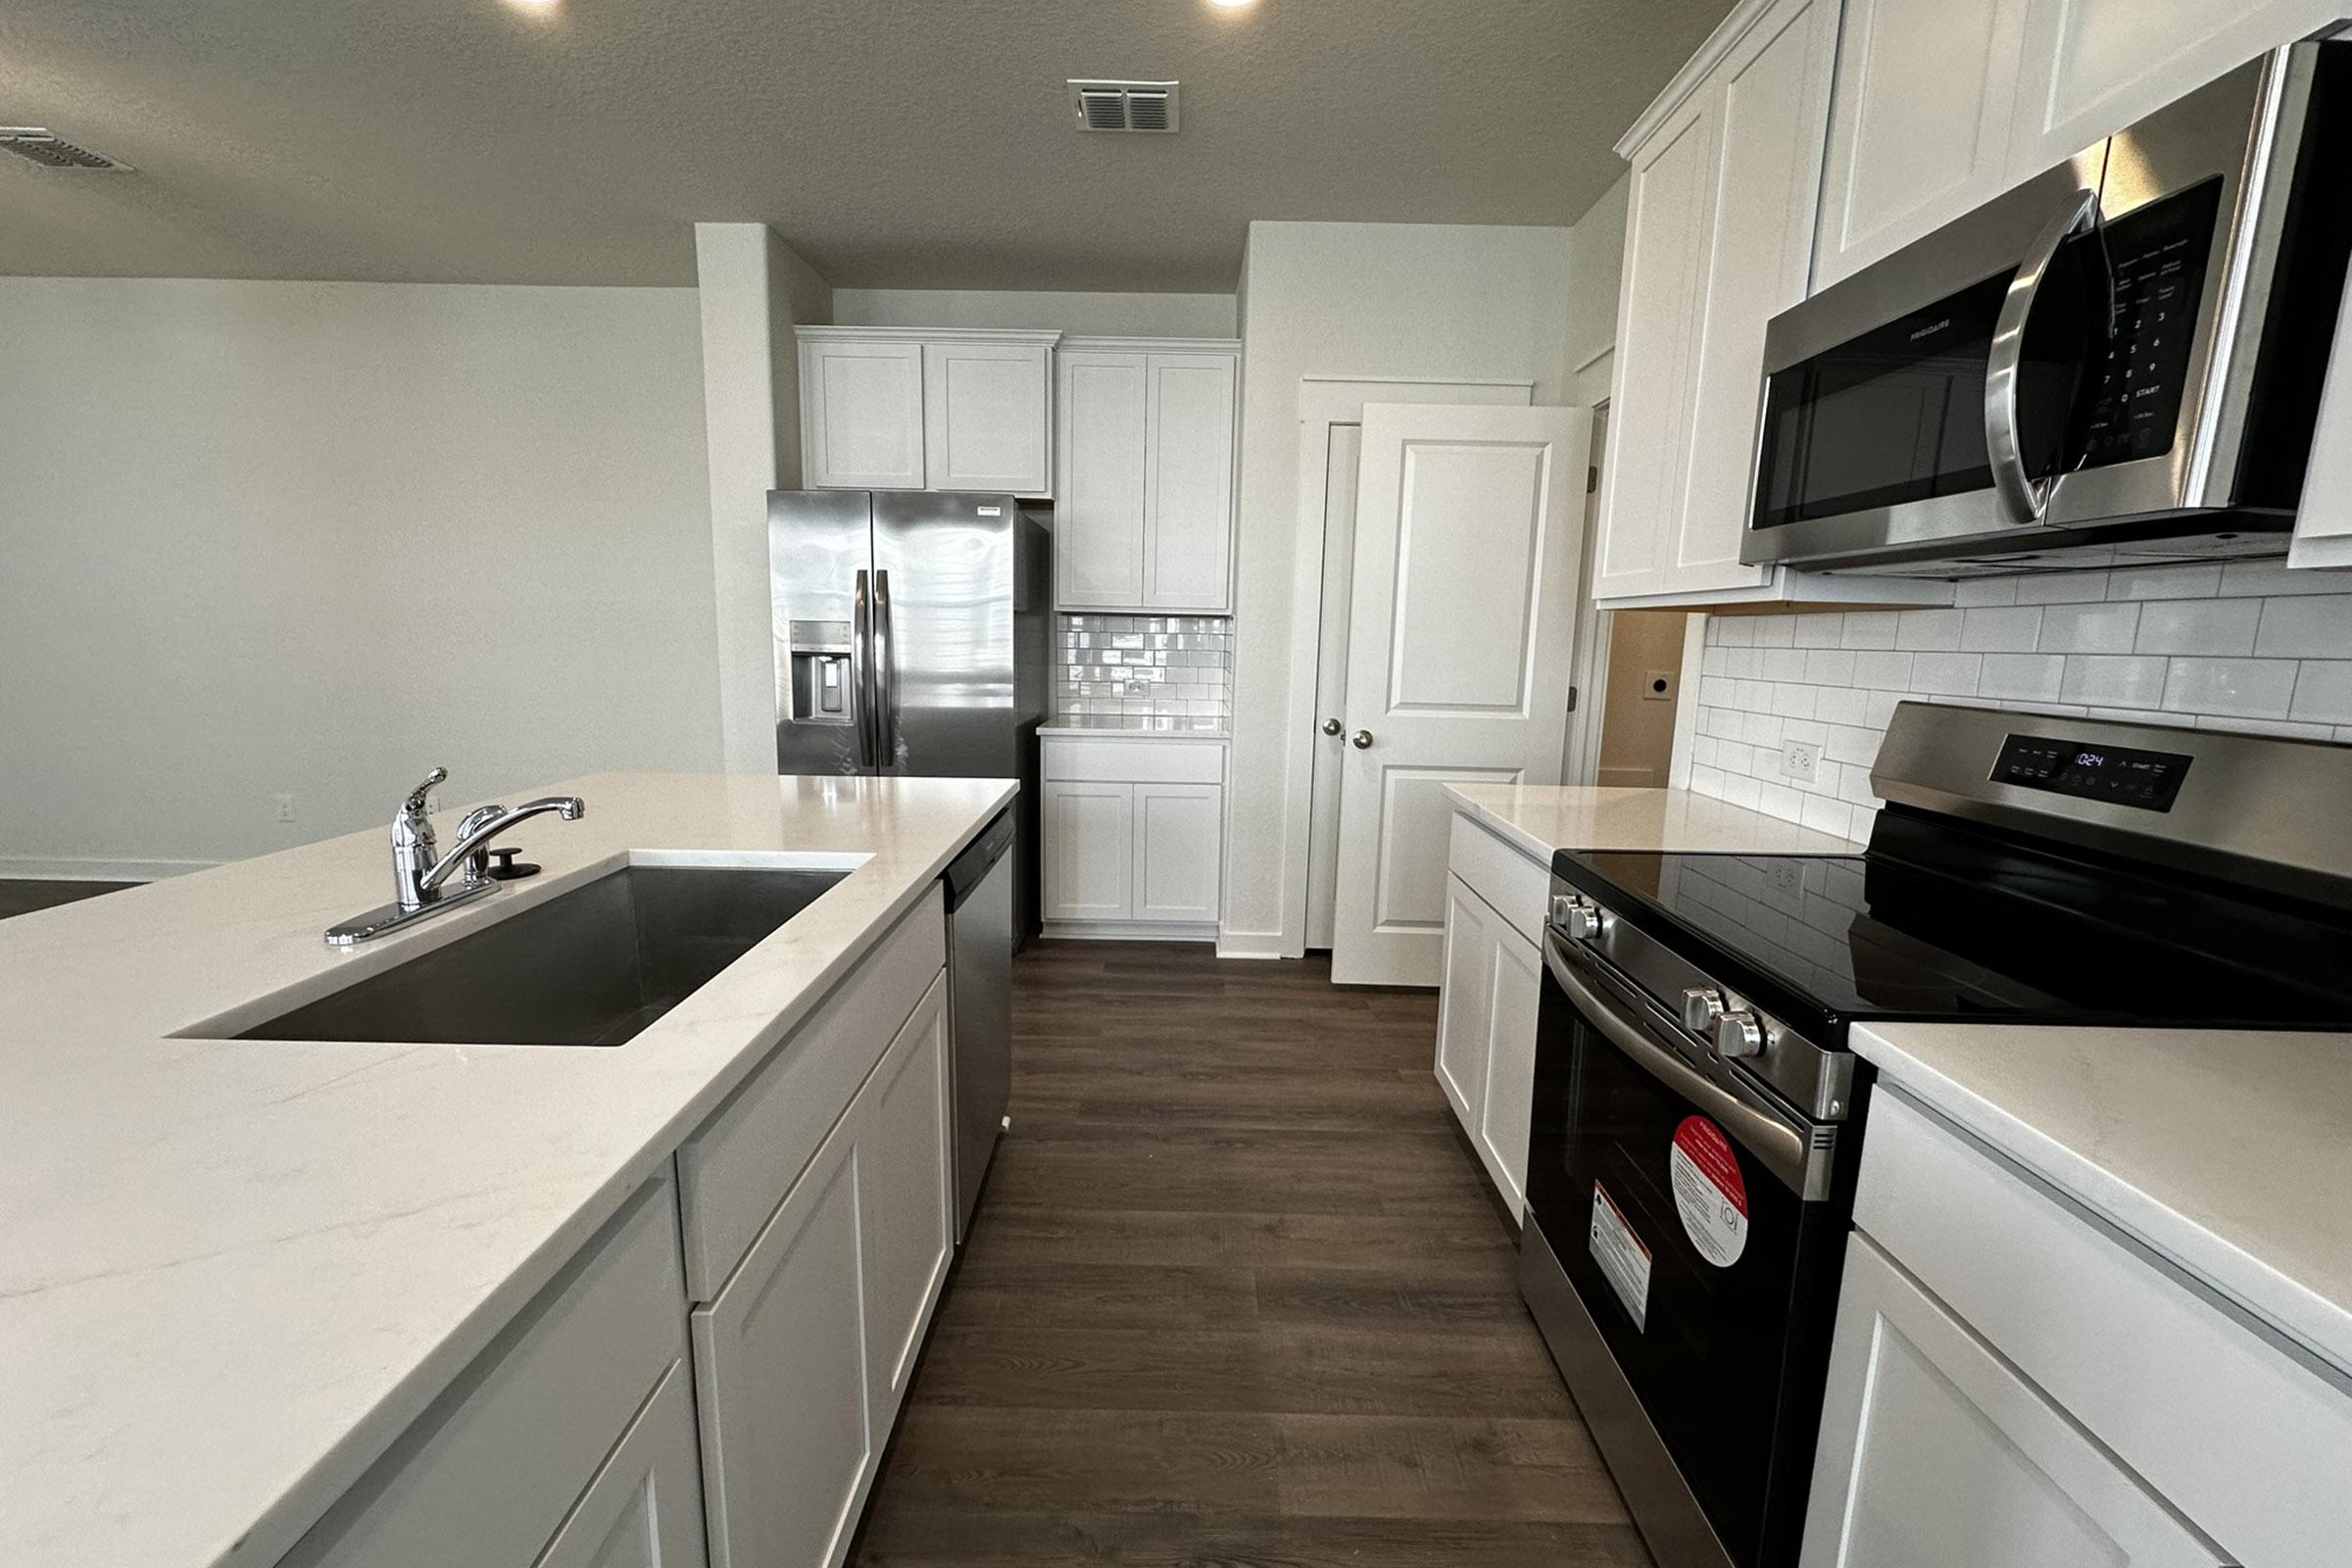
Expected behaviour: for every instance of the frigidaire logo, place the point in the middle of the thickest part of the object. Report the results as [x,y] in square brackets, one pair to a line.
[1931,328]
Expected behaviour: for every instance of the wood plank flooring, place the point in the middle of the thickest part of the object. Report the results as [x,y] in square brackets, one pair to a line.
[1235,1295]
[24,895]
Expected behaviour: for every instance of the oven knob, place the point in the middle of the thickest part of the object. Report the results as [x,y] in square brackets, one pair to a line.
[1561,903]
[1737,1034]
[1585,923]
[1702,1006]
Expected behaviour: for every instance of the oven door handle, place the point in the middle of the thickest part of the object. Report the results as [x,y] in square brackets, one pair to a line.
[2025,496]
[1783,1149]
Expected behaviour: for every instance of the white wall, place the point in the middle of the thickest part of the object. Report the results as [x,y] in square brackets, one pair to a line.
[2245,647]
[1109,315]
[754,289]
[314,538]
[1597,264]
[1362,300]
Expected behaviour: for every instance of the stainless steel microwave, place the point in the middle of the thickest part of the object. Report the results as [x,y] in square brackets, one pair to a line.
[2119,362]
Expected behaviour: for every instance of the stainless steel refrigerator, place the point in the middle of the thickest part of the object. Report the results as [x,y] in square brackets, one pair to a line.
[913,630]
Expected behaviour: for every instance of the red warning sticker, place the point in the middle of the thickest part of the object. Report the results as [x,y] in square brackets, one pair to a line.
[1708,1190]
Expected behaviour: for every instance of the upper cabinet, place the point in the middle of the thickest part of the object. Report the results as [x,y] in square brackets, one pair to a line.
[1718,235]
[1144,460]
[1943,104]
[891,408]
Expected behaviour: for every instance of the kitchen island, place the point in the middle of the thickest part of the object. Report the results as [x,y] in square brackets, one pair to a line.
[239,1272]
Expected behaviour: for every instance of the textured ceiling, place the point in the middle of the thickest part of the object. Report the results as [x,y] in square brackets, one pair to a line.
[897,143]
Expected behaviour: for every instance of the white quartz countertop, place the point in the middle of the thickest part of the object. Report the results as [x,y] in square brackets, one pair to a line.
[231,1272]
[2228,1152]
[1169,725]
[1542,819]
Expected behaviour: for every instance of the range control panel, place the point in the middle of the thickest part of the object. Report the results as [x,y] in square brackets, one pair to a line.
[2116,774]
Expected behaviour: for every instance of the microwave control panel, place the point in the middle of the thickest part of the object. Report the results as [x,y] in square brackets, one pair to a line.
[2157,256]
[2116,774]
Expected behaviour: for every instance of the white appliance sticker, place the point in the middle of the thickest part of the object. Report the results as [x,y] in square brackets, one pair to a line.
[1709,1191]
[1621,1258]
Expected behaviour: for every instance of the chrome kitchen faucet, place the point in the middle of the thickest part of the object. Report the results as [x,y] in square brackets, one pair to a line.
[421,873]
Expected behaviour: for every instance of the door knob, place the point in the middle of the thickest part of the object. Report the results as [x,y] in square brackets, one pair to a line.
[1331,726]
[1361,739]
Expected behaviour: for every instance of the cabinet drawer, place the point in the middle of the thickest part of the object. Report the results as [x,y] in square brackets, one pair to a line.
[489,1473]
[1517,887]
[737,1168]
[1137,761]
[2246,1440]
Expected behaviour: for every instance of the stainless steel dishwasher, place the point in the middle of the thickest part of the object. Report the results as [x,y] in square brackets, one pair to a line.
[979,888]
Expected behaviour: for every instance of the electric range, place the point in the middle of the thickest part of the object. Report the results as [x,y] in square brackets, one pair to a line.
[1698,1116]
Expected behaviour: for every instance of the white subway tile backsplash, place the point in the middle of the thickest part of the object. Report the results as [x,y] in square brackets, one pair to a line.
[2244,688]
[2113,680]
[1156,666]
[1999,629]
[2089,628]
[1937,629]
[2198,627]
[2306,627]
[2247,647]
[2022,677]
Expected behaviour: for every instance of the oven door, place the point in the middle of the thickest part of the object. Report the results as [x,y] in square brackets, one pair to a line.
[1677,1208]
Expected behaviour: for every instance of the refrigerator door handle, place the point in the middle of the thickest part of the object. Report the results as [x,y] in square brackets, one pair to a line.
[886,677]
[861,680]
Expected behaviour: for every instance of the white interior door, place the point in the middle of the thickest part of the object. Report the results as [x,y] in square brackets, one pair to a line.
[1331,418]
[1469,532]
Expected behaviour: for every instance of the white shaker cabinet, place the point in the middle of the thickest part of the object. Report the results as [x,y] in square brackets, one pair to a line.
[1920,129]
[1491,983]
[645,1507]
[904,408]
[1719,238]
[802,1360]
[1936,1453]
[1134,842]
[1145,448]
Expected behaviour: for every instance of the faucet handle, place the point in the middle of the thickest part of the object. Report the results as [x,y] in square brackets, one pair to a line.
[417,797]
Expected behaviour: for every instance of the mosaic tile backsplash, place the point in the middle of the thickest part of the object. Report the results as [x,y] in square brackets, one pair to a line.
[1156,666]
[2249,646]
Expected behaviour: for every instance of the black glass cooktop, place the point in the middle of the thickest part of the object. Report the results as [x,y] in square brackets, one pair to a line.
[1937,922]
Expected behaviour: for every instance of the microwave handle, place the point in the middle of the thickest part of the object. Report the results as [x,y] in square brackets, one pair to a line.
[2025,496]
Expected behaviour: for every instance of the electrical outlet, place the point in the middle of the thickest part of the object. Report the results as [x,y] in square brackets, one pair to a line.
[1658,686]
[285,808]
[1801,761]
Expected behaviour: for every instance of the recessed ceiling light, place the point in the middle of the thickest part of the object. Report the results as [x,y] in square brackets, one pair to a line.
[550,5]
[1232,5]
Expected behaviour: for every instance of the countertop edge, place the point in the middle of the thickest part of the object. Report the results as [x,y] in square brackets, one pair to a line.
[1502,827]
[1123,733]
[2310,1323]
[375,1431]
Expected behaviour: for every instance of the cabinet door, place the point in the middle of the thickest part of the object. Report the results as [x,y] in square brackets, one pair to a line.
[1188,479]
[1089,851]
[2093,67]
[903,1200]
[645,1508]
[1936,1453]
[780,1379]
[1514,983]
[862,414]
[1667,235]
[1771,112]
[1099,497]
[1464,1003]
[1919,129]
[1179,851]
[985,416]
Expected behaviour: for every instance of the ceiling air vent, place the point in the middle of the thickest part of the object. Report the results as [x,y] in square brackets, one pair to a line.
[39,145]
[1124,105]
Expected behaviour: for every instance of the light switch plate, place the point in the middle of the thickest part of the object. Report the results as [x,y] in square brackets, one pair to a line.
[1801,761]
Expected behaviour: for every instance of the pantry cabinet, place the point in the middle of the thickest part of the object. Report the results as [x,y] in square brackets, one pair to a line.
[1718,235]
[1145,437]
[900,409]
[1941,106]
[1134,835]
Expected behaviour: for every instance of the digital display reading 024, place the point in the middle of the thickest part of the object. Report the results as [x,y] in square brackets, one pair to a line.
[2116,774]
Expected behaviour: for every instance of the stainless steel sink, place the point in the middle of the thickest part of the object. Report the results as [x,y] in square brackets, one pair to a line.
[589,967]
